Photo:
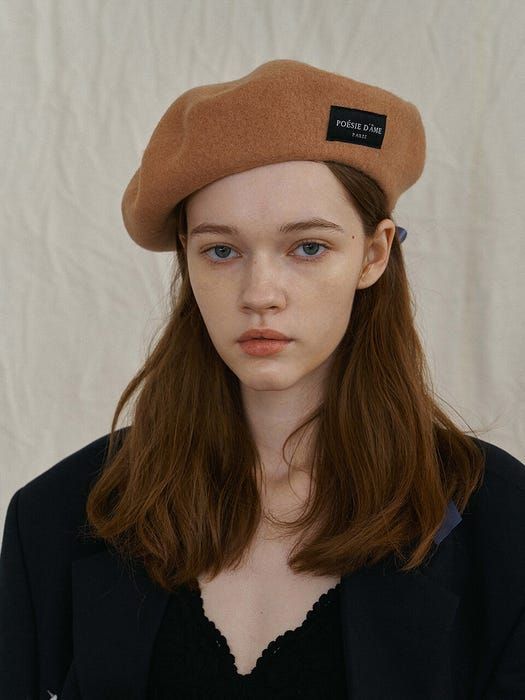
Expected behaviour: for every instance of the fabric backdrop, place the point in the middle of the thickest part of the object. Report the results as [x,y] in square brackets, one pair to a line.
[84,82]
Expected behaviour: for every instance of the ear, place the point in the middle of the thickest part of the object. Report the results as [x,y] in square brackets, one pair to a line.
[183,240]
[377,254]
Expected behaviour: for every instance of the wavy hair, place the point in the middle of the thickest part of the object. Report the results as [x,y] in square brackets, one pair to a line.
[178,490]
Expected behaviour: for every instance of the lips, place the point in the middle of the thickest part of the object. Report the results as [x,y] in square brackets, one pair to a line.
[267,333]
[261,347]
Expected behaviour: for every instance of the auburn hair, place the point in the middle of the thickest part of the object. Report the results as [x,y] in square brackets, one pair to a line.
[178,489]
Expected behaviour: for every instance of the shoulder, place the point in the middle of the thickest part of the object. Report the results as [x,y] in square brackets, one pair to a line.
[495,520]
[72,475]
[502,492]
[502,466]
[50,508]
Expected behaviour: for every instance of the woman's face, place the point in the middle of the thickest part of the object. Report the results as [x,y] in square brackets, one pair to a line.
[263,277]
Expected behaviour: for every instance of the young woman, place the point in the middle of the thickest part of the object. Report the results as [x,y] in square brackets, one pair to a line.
[289,513]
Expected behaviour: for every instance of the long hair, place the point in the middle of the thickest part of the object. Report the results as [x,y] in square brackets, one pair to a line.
[178,491]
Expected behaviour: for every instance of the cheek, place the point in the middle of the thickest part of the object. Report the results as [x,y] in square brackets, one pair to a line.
[333,292]
[215,305]
[329,313]
[206,289]
[324,321]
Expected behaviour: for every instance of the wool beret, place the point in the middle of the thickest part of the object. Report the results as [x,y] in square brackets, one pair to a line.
[282,110]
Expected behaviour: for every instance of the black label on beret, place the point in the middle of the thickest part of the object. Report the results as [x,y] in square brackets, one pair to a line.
[356,126]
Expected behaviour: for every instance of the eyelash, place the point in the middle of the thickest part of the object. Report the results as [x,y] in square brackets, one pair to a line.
[302,243]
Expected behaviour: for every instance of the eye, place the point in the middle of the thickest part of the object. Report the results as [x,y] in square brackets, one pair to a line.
[303,244]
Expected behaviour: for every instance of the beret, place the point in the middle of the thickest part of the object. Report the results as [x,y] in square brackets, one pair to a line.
[282,110]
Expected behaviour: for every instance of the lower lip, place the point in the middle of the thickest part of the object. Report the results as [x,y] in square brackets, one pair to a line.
[263,346]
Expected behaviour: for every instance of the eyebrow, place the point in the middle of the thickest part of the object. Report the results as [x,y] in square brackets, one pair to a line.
[290,227]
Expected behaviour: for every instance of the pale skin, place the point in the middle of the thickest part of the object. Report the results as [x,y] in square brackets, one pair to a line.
[264,278]
[260,281]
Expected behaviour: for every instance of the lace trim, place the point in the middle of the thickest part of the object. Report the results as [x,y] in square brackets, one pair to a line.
[322,602]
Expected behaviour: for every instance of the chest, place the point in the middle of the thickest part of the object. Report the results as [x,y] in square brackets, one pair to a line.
[262,599]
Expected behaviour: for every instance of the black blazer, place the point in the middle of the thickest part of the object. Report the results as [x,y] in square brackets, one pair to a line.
[75,624]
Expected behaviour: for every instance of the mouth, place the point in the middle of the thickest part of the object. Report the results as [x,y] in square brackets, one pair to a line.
[262,337]
[263,346]
[262,334]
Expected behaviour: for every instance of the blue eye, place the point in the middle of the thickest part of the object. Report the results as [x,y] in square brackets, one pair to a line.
[300,245]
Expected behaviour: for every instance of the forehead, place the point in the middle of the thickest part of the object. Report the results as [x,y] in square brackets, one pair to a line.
[275,193]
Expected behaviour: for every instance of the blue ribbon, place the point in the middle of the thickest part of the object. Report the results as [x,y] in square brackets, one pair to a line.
[402,233]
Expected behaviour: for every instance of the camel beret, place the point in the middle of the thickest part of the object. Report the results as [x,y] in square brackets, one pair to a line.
[283,110]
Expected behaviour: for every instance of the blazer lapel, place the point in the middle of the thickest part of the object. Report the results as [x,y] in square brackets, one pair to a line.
[394,628]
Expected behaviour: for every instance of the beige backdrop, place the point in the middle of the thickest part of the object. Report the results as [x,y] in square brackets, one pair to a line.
[83,84]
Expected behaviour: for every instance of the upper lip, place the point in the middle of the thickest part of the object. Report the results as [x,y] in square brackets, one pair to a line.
[262,333]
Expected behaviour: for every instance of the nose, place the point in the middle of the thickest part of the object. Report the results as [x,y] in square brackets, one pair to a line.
[262,287]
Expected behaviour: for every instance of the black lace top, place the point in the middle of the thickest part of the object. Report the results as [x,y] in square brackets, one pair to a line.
[191,658]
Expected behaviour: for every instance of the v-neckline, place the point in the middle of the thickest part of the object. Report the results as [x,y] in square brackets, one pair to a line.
[219,640]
